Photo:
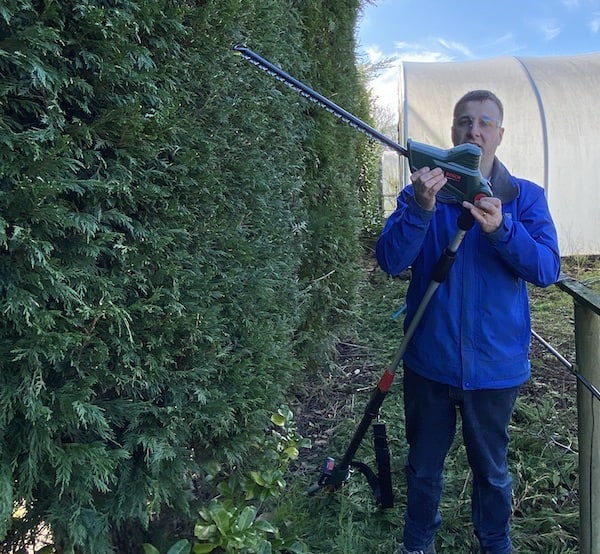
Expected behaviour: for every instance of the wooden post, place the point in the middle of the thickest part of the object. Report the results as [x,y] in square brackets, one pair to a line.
[587,344]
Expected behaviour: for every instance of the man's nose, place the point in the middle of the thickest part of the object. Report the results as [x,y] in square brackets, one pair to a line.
[475,127]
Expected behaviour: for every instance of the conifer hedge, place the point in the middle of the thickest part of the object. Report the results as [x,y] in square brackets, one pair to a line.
[178,243]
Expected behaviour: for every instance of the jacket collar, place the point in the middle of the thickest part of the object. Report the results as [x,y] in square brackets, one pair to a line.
[502,184]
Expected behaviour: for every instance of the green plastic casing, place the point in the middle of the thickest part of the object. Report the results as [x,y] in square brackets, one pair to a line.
[459,164]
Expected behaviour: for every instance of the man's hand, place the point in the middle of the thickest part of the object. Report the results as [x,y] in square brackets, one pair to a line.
[487,211]
[426,183]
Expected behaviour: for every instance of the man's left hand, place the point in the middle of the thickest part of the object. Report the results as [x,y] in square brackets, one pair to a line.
[487,211]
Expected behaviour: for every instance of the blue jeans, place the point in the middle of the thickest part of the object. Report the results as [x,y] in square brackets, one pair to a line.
[431,416]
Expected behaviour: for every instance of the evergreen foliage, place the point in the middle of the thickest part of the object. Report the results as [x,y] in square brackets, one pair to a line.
[178,239]
[333,149]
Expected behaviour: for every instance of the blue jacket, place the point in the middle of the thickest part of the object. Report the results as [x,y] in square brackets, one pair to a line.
[476,331]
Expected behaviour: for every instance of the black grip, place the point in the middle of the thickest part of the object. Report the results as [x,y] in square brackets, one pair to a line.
[442,268]
[384,474]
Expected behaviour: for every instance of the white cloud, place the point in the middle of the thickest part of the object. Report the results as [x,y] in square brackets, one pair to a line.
[415,52]
[576,4]
[594,23]
[384,86]
[425,56]
[455,46]
[374,54]
[549,28]
[504,45]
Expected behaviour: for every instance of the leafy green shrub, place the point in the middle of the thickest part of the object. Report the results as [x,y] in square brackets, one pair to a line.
[238,520]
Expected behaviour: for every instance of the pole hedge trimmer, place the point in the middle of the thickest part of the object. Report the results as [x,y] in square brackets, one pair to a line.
[461,167]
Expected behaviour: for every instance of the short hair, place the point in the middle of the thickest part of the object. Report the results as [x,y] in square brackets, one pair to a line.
[479,96]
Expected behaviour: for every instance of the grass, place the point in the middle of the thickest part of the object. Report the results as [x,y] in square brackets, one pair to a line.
[543,453]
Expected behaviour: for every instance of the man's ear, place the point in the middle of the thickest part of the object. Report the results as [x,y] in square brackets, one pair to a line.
[501,135]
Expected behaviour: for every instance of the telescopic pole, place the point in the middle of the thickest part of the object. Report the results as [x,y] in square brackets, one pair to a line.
[335,475]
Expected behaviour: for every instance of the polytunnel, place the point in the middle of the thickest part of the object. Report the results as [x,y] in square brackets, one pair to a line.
[551,122]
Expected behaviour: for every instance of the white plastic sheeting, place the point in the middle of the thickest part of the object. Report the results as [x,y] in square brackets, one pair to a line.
[551,121]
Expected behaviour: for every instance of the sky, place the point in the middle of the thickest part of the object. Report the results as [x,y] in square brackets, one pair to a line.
[461,30]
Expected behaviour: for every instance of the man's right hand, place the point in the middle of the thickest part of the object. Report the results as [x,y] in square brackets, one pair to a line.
[426,183]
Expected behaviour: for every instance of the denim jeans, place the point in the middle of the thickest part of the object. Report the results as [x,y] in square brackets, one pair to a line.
[431,415]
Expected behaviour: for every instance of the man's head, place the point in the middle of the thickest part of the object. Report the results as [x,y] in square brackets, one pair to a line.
[478,119]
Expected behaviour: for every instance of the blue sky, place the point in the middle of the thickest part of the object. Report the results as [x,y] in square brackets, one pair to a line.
[459,30]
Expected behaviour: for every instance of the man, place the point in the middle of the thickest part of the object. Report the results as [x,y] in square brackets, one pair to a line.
[470,351]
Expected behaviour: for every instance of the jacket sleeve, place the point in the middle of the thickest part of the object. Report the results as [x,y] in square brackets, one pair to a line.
[529,244]
[402,237]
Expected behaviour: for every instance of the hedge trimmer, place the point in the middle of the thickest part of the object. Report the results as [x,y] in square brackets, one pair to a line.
[461,167]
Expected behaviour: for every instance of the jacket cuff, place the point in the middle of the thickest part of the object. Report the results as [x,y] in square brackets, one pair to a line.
[501,233]
[422,213]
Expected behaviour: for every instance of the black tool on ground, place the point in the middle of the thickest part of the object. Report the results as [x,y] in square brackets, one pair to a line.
[460,164]
[334,476]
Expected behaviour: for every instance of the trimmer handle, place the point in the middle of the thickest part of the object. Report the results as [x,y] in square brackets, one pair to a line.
[460,165]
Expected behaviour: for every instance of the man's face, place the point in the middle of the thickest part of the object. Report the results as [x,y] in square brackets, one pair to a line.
[479,123]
